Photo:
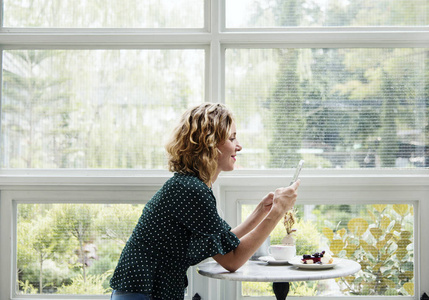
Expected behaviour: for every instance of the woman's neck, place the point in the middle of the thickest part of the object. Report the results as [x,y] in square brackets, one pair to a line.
[213,179]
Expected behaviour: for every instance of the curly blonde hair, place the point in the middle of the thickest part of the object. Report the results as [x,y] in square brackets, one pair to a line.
[193,144]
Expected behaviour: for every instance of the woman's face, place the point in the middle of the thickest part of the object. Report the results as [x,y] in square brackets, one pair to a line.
[228,151]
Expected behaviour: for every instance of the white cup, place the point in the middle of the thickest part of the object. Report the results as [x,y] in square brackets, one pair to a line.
[282,252]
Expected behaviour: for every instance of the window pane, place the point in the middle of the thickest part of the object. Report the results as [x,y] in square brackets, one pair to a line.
[95,108]
[335,108]
[71,248]
[380,237]
[311,13]
[104,14]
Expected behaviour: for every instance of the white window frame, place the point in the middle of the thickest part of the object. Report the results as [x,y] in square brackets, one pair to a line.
[318,185]
[349,188]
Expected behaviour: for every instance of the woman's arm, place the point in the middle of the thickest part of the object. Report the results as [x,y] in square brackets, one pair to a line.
[283,200]
[256,217]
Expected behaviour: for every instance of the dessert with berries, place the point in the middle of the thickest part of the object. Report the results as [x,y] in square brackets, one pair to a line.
[317,258]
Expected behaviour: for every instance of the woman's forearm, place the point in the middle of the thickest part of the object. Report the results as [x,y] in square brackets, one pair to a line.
[250,242]
[278,203]
[251,221]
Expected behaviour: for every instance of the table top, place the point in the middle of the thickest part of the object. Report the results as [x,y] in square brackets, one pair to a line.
[264,272]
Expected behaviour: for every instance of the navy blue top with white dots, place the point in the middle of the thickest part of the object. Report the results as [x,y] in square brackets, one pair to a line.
[179,227]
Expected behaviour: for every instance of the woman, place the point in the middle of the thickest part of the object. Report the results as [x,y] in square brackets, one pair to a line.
[180,226]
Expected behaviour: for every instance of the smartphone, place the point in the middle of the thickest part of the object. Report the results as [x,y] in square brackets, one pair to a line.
[297,171]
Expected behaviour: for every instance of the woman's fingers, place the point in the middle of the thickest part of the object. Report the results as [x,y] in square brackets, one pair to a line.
[296,184]
[286,197]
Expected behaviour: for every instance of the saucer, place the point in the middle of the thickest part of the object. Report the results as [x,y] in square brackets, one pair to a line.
[272,261]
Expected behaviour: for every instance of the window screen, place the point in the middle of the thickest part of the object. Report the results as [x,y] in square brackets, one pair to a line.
[325,13]
[335,108]
[104,14]
[70,248]
[95,108]
[380,237]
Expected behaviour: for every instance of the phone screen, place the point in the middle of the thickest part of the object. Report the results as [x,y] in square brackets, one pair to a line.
[297,171]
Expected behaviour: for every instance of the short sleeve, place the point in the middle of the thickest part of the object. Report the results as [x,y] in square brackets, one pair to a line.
[208,245]
[195,208]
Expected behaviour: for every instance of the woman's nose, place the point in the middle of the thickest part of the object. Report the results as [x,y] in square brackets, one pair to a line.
[238,147]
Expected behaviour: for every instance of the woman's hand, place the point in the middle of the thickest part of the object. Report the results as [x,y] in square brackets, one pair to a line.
[284,198]
[267,202]
[253,232]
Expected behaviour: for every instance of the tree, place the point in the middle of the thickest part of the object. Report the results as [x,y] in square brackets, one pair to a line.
[76,220]
[116,222]
[286,101]
[38,239]
[31,97]
[389,143]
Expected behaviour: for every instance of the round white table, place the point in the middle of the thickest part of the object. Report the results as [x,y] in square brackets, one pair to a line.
[281,274]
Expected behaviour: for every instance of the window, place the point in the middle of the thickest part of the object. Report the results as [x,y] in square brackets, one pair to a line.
[90,91]
[70,248]
[325,13]
[378,236]
[336,108]
[99,14]
[109,110]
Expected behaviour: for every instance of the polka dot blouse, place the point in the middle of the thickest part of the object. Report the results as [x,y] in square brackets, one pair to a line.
[179,227]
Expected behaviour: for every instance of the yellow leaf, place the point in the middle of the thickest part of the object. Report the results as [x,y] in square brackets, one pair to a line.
[369,248]
[388,282]
[350,249]
[405,234]
[409,274]
[341,232]
[373,217]
[376,232]
[388,236]
[328,233]
[336,246]
[385,221]
[397,227]
[409,288]
[403,243]
[377,266]
[400,253]
[384,257]
[401,209]
[379,207]
[357,226]
[380,244]
[350,279]
[373,251]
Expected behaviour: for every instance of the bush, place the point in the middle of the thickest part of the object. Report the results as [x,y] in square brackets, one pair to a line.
[91,285]
[383,247]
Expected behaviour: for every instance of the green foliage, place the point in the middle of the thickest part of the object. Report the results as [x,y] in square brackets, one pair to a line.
[53,273]
[307,237]
[92,285]
[255,289]
[302,288]
[117,222]
[50,239]
[27,288]
[383,247]
[261,289]
[286,109]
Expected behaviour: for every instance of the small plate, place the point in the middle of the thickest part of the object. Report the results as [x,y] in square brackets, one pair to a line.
[296,261]
[272,261]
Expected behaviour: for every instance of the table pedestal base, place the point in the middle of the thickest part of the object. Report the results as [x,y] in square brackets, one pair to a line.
[281,289]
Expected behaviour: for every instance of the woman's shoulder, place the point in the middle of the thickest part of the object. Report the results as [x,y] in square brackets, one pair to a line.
[187,179]
[187,182]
